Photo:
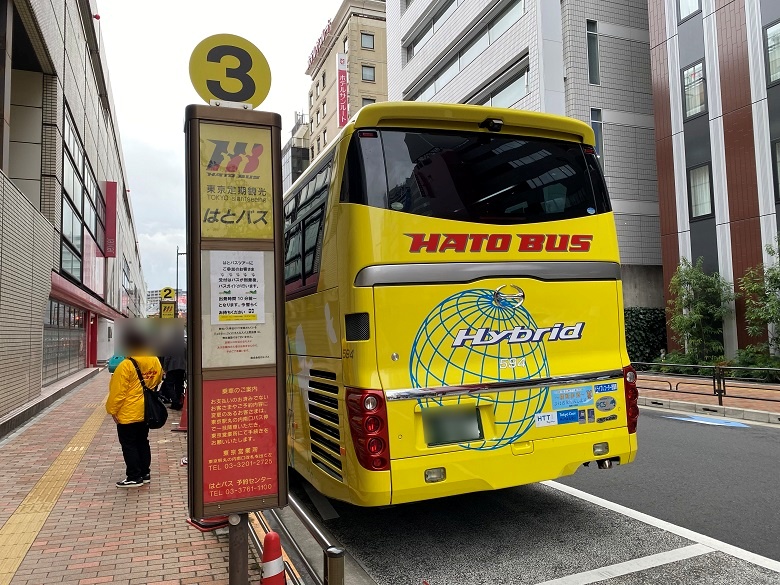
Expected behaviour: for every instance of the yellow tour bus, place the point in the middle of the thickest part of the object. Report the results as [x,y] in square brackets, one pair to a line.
[454,307]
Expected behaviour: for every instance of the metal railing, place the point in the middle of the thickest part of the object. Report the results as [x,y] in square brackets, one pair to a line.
[333,553]
[722,380]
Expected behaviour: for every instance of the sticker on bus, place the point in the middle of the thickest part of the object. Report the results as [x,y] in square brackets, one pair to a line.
[570,397]
[601,388]
[567,416]
[546,419]
[606,403]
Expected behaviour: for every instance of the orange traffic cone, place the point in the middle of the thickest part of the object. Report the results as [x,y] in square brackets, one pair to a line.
[182,428]
[273,564]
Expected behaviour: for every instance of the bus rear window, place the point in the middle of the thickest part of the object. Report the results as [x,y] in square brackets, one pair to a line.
[475,177]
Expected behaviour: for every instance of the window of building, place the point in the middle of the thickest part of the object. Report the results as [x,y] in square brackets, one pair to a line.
[474,49]
[594,76]
[346,44]
[776,167]
[694,90]
[598,126]
[324,136]
[773,53]
[318,145]
[64,341]
[430,27]
[506,19]
[83,204]
[318,117]
[311,100]
[324,108]
[367,41]
[317,89]
[510,93]
[366,101]
[689,8]
[312,153]
[700,191]
[476,46]
[368,73]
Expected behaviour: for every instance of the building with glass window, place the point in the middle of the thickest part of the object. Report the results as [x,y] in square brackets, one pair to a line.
[69,261]
[295,153]
[716,86]
[356,37]
[587,59]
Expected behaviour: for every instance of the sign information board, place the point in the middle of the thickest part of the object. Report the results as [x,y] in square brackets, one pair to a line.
[240,450]
[230,68]
[247,338]
[235,182]
[235,278]
[343,93]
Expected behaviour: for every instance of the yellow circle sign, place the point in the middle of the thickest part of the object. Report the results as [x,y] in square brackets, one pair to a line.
[167,293]
[229,68]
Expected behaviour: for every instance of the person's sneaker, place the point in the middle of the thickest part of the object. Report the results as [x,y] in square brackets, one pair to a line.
[129,483]
[147,478]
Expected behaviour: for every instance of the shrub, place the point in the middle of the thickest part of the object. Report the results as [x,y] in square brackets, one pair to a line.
[645,333]
[699,303]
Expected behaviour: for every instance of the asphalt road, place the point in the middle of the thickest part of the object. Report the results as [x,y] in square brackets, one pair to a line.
[721,481]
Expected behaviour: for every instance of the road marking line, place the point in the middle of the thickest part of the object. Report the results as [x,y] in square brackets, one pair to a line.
[632,566]
[713,543]
[702,420]
[24,525]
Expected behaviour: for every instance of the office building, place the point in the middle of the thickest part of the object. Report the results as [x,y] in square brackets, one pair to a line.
[295,153]
[716,85]
[357,38]
[588,59]
[68,245]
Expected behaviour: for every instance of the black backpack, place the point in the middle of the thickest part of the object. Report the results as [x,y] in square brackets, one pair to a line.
[155,413]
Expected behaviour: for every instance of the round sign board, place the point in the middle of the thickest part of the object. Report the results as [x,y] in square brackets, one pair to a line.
[229,68]
[167,294]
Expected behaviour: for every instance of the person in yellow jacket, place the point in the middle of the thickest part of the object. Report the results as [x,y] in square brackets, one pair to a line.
[125,404]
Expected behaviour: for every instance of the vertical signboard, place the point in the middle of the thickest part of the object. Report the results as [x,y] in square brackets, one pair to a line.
[110,246]
[343,93]
[236,447]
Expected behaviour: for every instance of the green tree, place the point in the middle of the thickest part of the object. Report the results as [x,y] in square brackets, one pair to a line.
[760,287]
[699,303]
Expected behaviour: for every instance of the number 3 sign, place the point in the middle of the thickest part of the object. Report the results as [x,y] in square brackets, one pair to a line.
[228,68]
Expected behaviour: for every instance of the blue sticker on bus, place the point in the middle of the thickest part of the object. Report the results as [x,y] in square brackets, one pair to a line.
[611,387]
[567,416]
[570,397]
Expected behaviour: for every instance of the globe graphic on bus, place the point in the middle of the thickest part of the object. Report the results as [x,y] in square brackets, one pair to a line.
[449,350]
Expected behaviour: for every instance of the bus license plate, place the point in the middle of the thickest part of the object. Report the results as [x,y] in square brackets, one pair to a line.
[444,426]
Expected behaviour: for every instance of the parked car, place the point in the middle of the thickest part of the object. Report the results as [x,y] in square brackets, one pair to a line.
[114,362]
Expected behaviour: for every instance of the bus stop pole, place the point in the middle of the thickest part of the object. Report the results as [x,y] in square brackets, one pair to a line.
[238,549]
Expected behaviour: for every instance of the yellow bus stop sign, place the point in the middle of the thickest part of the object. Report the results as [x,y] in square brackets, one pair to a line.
[229,68]
[168,309]
[167,294]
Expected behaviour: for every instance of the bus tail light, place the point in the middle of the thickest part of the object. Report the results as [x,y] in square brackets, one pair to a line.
[368,426]
[632,394]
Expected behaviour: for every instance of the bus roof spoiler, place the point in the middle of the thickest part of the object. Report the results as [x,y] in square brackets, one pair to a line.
[421,114]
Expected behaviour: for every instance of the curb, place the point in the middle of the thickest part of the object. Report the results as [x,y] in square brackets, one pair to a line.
[712,410]
[17,417]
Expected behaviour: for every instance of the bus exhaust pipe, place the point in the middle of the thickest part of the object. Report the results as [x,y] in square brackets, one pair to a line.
[604,464]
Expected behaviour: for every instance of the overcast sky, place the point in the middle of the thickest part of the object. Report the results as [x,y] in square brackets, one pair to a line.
[148,46]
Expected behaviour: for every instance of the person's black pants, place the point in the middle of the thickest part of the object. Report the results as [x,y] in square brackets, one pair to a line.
[176,387]
[134,438]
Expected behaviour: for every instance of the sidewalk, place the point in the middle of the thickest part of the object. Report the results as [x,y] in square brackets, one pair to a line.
[740,401]
[62,520]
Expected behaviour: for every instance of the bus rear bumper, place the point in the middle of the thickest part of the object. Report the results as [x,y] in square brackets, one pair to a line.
[471,471]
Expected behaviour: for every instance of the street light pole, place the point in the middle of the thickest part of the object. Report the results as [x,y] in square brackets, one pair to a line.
[177,278]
